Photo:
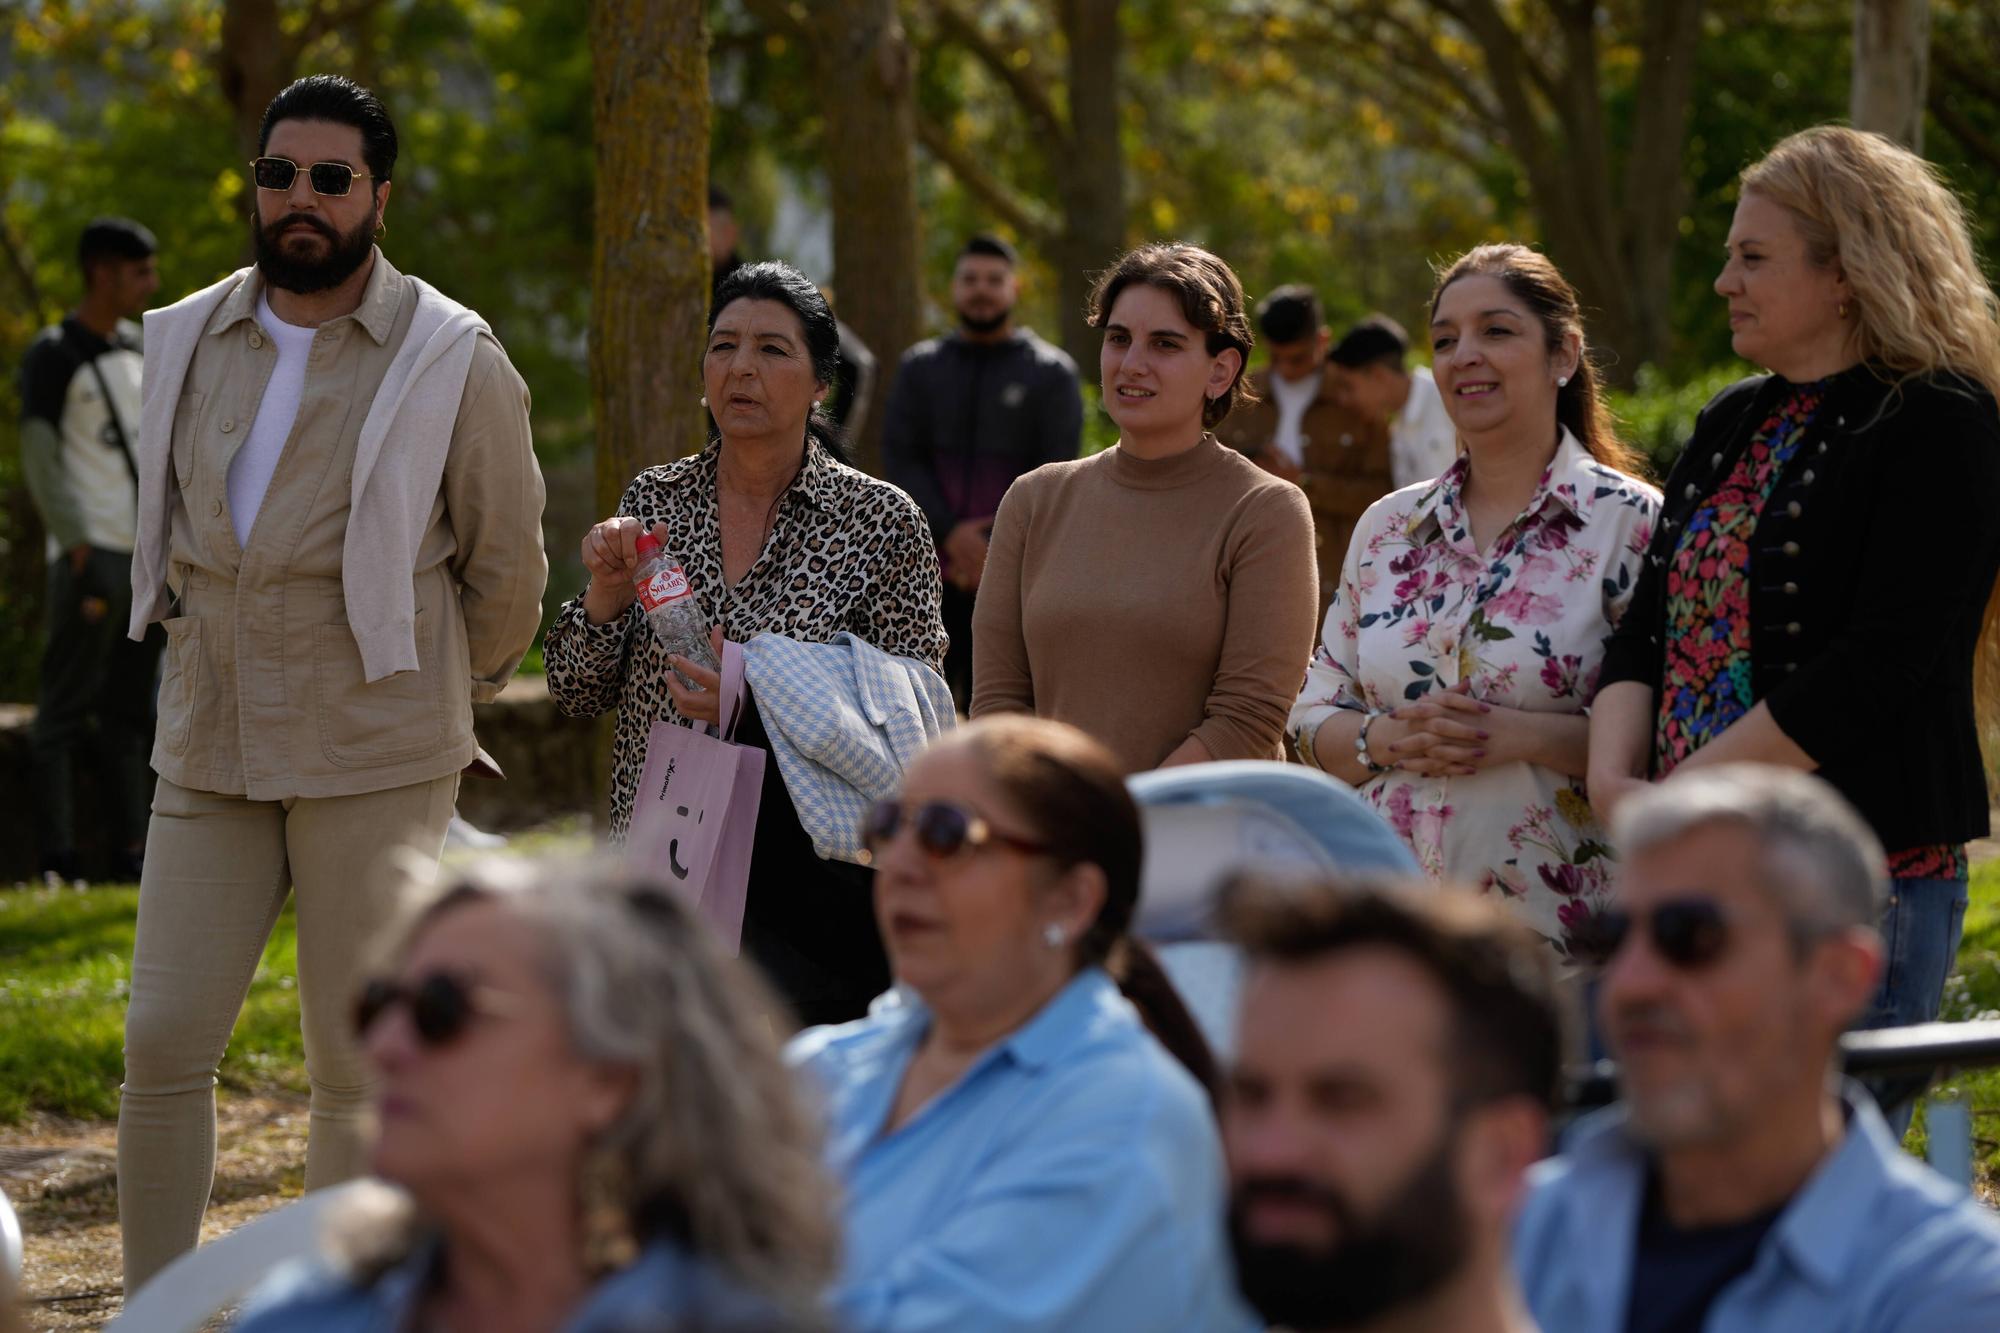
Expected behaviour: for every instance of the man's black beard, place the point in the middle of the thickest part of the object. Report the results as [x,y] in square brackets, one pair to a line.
[984,326]
[304,276]
[1402,1254]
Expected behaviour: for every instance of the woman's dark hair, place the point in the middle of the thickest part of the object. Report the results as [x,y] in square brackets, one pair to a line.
[1210,297]
[1539,285]
[774,280]
[1071,794]
[344,102]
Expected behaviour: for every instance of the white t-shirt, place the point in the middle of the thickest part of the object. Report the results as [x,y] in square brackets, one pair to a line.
[1422,440]
[1293,397]
[256,459]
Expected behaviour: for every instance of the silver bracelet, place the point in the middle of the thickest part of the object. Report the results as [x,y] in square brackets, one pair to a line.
[1361,746]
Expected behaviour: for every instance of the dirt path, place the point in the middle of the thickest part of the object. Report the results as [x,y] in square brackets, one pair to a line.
[61,1175]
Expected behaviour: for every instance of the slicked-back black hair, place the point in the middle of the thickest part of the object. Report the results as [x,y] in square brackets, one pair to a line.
[335,98]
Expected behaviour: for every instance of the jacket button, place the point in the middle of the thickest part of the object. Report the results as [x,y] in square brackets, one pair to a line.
[1691,491]
[1790,667]
[1790,548]
[228,424]
[1793,628]
[256,339]
[1794,509]
[1838,421]
[1808,478]
[215,508]
[1717,460]
[1791,590]
[1822,446]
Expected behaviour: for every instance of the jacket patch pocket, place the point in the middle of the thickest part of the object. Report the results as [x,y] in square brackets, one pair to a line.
[363,725]
[180,680]
[187,420]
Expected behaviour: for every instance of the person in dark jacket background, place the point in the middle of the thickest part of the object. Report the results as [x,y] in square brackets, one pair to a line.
[968,413]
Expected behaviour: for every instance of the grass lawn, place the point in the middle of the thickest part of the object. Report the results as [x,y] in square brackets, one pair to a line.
[65,965]
[65,971]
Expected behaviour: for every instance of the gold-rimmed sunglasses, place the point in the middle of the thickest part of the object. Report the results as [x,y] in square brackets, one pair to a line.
[331,179]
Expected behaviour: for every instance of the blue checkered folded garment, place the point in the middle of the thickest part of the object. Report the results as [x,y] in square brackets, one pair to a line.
[845,719]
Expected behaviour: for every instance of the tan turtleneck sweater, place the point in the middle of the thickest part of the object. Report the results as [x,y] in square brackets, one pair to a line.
[1146,601]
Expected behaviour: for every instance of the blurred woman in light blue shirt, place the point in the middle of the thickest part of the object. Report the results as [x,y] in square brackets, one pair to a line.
[1019,1151]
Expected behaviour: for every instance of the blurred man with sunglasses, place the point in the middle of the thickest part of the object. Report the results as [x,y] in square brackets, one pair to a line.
[1740,1185]
[1398,1054]
[339,521]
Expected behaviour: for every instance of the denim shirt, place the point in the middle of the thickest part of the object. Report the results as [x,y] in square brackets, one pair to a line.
[1070,1180]
[663,1289]
[1874,1242]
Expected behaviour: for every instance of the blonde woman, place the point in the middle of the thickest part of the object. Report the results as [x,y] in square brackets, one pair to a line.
[587,1122]
[1818,589]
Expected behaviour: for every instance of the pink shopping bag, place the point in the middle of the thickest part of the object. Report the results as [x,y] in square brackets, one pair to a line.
[694,817]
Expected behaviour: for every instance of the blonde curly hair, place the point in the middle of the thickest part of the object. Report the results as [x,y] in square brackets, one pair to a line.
[1922,305]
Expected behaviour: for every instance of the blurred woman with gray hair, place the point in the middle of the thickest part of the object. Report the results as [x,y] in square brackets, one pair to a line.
[587,1121]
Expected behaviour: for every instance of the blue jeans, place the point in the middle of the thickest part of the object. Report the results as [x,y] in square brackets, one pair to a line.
[1920,931]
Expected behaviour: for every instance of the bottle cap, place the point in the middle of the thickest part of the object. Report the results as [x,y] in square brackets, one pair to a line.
[647,544]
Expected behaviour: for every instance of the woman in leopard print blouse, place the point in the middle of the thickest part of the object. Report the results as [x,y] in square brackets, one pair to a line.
[777,535]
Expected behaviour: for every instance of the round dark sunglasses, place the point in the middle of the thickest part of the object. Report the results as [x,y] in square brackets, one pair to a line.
[332,179]
[942,829]
[441,1005]
[1690,933]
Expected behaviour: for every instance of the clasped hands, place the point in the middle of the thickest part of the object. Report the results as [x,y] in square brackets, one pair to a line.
[1446,733]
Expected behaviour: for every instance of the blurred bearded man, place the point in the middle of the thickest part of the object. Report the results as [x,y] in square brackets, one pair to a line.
[339,522]
[1398,1052]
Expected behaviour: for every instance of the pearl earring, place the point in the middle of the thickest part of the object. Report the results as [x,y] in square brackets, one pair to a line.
[1054,935]
[1562,381]
[704,400]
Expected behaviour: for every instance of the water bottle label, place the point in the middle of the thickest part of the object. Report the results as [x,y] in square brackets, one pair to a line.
[669,585]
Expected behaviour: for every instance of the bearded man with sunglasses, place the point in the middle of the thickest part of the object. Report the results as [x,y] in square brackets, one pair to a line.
[1740,1186]
[339,521]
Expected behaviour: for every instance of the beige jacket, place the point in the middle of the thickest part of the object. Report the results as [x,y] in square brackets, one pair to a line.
[264,693]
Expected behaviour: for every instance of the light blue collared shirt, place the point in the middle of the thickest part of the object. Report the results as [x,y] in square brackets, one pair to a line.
[658,1290]
[1875,1242]
[1071,1181]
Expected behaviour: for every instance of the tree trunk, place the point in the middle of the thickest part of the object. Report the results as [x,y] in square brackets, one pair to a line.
[650,279]
[1892,40]
[1091,174]
[866,68]
[253,66]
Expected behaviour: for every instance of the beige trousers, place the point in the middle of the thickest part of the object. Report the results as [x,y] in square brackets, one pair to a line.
[217,872]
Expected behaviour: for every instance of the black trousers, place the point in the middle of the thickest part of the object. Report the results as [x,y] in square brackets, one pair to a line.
[809,924]
[958,657]
[95,702]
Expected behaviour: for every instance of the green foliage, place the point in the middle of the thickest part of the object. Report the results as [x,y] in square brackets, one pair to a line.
[1657,417]
[65,978]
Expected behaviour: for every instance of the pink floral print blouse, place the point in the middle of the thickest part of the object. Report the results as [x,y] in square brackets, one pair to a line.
[1420,608]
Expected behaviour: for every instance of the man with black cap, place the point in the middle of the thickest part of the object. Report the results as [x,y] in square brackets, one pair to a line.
[79,411]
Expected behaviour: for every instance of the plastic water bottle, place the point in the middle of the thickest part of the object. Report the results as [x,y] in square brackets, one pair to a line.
[669,605]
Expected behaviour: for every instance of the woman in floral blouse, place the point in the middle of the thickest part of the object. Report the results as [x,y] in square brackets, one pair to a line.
[1818,593]
[777,536]
[1463,643]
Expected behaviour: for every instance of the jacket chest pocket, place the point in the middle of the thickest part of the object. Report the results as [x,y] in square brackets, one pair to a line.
[187,421]
[363,724]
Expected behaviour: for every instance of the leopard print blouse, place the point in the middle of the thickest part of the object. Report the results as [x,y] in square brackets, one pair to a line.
[846,552]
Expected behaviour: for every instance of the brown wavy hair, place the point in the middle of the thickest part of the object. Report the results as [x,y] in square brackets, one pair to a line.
[1539,285]
[1210,297]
